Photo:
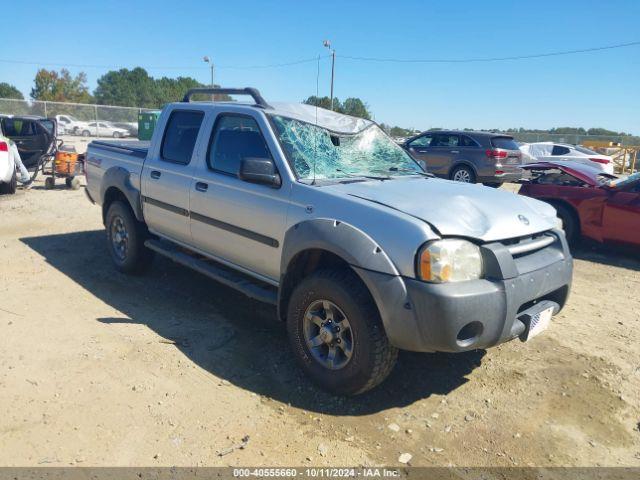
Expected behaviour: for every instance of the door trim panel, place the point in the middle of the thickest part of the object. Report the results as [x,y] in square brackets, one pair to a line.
[166,206]
[243,232]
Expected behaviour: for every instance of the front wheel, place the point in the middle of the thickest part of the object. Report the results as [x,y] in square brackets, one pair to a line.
[570,223]
[125,240]
[463,174]
[86,133]
[336,333]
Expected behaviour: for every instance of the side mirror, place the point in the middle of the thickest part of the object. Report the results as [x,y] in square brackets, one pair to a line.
[259,170]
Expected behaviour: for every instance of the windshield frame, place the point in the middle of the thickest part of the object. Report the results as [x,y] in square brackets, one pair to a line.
[346,177]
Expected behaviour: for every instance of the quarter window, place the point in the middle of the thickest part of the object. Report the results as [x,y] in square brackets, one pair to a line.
[180,136]
[235,137]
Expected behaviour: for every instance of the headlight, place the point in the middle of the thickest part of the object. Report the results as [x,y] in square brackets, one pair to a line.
[449,260]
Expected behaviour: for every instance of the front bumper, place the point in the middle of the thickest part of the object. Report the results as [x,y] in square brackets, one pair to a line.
[455,317]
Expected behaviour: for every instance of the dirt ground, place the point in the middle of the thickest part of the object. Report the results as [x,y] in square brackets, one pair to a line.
[98,368]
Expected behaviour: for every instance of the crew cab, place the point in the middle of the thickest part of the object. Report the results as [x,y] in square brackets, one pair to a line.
[323,215]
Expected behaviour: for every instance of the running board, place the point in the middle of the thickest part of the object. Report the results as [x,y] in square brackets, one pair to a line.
[244,284]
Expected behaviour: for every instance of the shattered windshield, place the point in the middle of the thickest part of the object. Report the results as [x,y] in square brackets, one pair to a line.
[315,152]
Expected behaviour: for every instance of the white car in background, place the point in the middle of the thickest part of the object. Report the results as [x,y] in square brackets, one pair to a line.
[103,129]
[8,174]
[541,151]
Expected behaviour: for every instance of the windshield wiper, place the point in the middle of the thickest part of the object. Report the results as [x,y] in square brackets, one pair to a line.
[359,175]
[409,170]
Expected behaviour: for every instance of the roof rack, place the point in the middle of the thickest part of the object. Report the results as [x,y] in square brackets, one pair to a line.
[253,92]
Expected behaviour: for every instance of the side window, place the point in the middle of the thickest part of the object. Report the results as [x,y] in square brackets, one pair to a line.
[423,141]
[467,141]
[235,137]
[180,136]
[446,140]
[559,150]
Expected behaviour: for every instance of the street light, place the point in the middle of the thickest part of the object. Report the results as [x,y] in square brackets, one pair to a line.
[210,62]
[327,44]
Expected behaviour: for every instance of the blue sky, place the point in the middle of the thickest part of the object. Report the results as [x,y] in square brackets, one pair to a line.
[589,89]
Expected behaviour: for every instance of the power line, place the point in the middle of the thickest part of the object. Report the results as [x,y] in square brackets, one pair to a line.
[489,59]
[346,57]
[117,67]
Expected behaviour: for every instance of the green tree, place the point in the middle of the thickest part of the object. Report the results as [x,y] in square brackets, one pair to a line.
[127,88]
[9,91]
[60,86]
[356,108]
[324,102]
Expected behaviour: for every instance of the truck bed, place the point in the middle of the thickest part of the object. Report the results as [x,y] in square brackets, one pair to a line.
[137,148]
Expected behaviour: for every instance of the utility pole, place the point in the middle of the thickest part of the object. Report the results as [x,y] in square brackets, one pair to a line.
[209,60]
[327,44]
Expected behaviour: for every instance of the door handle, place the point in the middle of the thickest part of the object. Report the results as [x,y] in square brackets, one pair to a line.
[155,174]
[455,151]
[201,186]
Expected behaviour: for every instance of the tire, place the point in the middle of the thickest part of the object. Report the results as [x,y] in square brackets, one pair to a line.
[86,133]
[11,187]
[129,254]
[49,183]
[73,183]
[570,223]
[116,135]
[463,174]
[492,185]
[372,357]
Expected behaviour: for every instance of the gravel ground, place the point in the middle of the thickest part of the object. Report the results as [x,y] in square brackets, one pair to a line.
[98,368]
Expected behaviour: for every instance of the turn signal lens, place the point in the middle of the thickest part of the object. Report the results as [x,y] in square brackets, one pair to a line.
[4,147]
[449,260]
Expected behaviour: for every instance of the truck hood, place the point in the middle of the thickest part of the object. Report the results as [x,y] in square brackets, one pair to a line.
[458,209]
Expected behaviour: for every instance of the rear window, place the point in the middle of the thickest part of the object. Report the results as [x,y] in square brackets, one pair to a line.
[506,143]
[560,150]
[180,136]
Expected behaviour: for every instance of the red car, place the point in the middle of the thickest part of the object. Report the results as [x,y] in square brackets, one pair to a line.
[590,202]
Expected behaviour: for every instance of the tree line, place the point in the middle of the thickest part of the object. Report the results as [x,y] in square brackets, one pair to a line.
[136,88]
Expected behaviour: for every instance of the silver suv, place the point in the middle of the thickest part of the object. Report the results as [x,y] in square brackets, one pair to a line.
[324,216]
[467,156]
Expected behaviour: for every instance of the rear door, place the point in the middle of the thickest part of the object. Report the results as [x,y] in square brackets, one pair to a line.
[237,222]
[621,217]
[167,174]
[31,138]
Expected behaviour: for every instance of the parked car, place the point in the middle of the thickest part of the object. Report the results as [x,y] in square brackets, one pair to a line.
[549,151]
[103,129]
[324,216]
[470,157]
[68,124]
[589,202]
[8,173]
[130,127]
[33,136]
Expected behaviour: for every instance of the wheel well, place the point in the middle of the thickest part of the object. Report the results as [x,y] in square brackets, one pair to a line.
[112,194]
[463,164]
[301,266]
[555,202]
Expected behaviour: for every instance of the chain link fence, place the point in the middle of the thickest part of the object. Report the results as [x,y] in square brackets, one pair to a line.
[77,118]
[530,137]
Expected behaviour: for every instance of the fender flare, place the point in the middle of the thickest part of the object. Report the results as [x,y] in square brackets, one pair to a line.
[120,178]
[344,240]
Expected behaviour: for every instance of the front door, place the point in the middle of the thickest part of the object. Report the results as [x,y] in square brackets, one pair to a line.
[167,175]
[237,222]
[418,148]
[621,219]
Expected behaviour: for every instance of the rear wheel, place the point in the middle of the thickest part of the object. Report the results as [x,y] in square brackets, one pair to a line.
[336,333]
[463,174]
[125,239]
[73,183]
[86,133]
[49,183]
[10,188]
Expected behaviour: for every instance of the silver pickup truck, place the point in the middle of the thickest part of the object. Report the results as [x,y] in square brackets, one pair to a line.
[323,215]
